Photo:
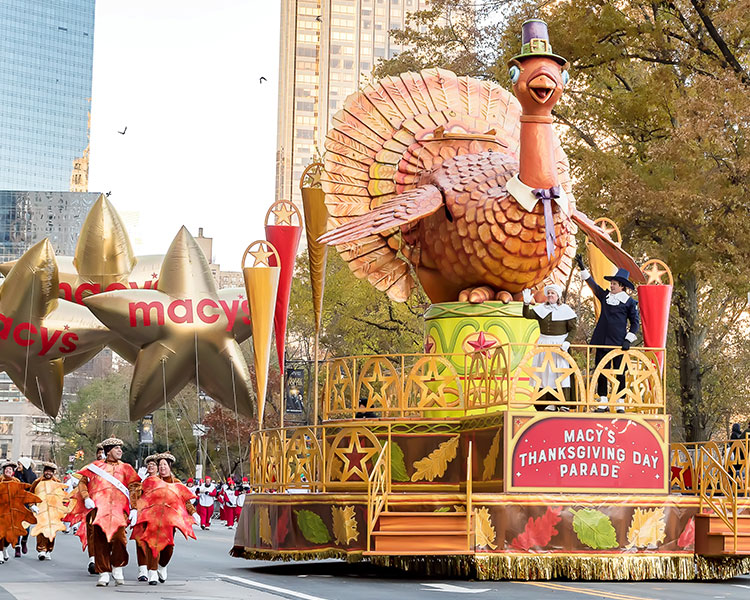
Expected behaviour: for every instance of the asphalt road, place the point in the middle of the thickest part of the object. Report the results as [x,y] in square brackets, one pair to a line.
[203,570]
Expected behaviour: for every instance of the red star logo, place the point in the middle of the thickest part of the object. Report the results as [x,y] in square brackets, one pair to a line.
[66,327]
[428,346]
[481,343]
[154,275]
[240,296]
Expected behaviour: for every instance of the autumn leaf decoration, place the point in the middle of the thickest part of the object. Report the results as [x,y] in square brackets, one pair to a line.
[161,510]
[484,531]
[264,526]
[54,506]
[282,526]
[344,524]
[436,462]
[312,527]
[687,537]
[538,532]
[13,497]
[490,461]
[647,528]
[398,466]
[594,529]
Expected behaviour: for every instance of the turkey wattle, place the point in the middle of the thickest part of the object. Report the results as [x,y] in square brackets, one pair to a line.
[461,180]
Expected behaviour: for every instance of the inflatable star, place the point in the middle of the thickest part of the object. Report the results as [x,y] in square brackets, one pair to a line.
[181,327]
[38,331]
[104,261]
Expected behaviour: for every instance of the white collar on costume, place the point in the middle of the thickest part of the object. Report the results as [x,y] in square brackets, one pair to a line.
[525,197]
[560,312]
[618,298]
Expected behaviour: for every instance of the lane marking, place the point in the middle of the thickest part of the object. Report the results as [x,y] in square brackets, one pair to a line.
[587,591]
[271,588]
[453,589]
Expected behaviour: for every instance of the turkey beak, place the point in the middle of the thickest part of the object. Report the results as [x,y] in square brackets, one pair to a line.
[542,87]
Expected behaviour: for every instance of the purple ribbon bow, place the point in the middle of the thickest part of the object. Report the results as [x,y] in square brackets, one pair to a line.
[546,195]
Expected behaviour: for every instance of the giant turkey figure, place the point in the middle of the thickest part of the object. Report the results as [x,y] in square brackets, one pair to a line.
[460,179]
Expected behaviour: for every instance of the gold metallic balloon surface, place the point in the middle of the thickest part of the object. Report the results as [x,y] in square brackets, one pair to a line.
[38,331]
[262,284]
[183,325]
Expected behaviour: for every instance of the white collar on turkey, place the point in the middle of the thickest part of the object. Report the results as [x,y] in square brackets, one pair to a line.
[560,312]
[618,298]
[524,195]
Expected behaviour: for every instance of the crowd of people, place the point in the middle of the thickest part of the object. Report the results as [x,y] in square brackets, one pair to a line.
[106,500]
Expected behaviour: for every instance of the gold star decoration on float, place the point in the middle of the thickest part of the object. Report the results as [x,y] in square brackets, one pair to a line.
[283,212]
[39,332]
[657,273]
[354,457]
[183,331]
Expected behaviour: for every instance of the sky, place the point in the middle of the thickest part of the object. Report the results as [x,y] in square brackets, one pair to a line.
[199,150]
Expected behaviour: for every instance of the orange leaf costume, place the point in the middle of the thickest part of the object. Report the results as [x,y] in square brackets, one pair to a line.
[78,514]
[112,503]
[13,496]
[161,510]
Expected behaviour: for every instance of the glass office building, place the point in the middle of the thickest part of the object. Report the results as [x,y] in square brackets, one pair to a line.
[46,62]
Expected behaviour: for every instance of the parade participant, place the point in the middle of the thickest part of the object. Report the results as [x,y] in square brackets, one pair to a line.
[14,498]
[49,513]
[25,474]
[221,500]
[193,487]
[105,486]
[617,311]
[229,498]
[206,496]
[152,470]
[163,507]
[90,522]
[557,326]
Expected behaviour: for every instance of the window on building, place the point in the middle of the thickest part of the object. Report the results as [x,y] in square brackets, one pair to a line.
[305,134]
[348,64]
[6,425]
[40,452]
[4,450]
[308,106]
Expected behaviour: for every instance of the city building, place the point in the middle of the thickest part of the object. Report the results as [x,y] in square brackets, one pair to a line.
[224,279]
[328,49]
[46,62]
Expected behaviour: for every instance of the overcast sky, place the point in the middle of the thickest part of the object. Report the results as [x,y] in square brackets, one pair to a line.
[183,76]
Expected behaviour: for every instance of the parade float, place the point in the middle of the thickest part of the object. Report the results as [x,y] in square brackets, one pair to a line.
[440,462]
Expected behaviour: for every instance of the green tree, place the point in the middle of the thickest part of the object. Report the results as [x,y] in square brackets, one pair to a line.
[656,130]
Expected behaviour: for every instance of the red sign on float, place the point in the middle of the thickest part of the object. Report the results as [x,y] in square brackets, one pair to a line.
[583,453]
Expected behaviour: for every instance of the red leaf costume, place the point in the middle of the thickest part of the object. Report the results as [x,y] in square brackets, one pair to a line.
[161,510]
[112,505]
[13,496]
[78,514]
[538,532]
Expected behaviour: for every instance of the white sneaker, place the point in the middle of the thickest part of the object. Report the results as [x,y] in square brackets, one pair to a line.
[118,576]
[162,572]
[550,408]
[6,553]
[142,573]
[40,556]
[153,578]
[620,405]
[2,558]
[103,580]
[48,555]
[603,405]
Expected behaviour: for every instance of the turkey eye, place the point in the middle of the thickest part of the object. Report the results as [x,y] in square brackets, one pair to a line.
[514,73]
[565,77]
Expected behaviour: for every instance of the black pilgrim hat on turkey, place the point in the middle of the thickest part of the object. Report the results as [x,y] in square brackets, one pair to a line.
[622,276]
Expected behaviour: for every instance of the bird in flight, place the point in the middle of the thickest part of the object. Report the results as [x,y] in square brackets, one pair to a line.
[123,131]
[262,79]
[107,194]
[318,18]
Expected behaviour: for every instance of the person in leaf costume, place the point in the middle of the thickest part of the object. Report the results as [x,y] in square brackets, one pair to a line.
[50,511]
[164,506]
[152,470]
[106,486]
[14,496]
[25,474]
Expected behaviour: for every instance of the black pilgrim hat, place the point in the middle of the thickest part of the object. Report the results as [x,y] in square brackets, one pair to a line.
[622,276]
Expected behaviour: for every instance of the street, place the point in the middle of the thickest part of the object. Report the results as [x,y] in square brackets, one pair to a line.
[203,570]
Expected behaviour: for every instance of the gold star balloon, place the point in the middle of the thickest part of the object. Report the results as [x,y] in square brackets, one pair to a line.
[104,262]
[183,331]
[38,331]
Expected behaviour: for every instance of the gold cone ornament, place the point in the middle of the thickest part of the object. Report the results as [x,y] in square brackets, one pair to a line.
[599,265]
[316,219]
[261,284]
[38,332]
[184,332]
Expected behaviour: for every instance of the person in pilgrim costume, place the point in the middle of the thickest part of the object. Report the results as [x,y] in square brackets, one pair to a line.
[618,325]
[557,326]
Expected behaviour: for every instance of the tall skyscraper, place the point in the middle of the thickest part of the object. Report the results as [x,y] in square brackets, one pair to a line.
[46,61]
[328,48]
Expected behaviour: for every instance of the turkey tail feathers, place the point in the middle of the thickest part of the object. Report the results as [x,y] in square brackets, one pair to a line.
[405,208]
[612,251]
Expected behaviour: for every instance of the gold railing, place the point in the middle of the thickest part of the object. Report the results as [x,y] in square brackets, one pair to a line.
[733,455]
[336,456]
[470,540]
[378,488]
[718,490]
[507,376]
